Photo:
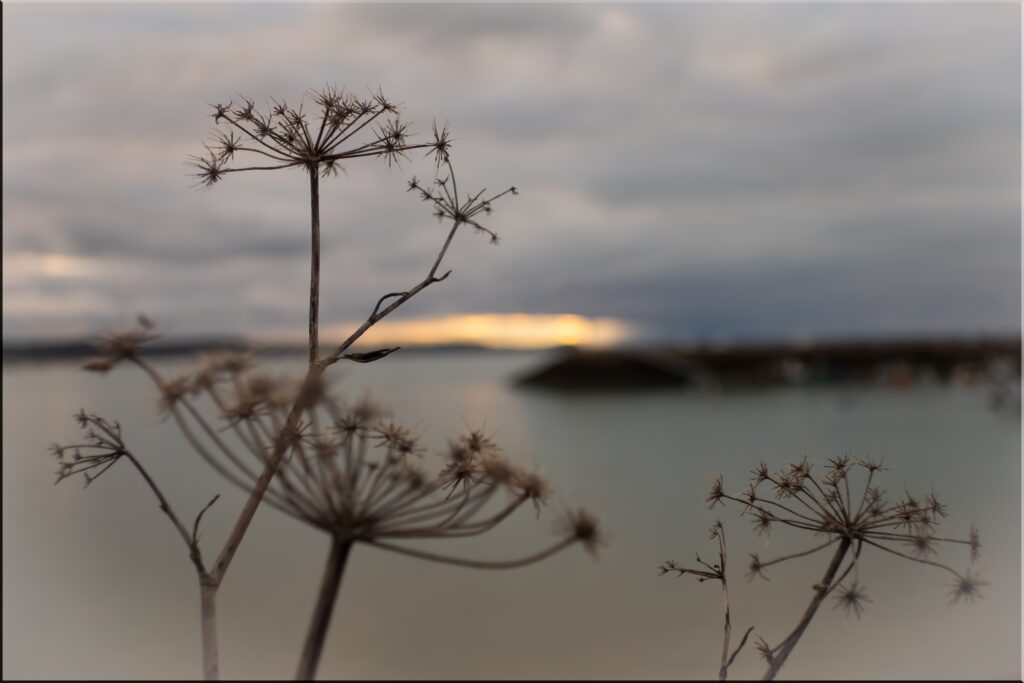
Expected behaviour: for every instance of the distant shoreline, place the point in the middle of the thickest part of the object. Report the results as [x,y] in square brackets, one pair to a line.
[664,364]
[892,362]
[71,350]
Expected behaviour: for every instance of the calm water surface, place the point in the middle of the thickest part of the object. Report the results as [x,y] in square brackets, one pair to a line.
[96,584]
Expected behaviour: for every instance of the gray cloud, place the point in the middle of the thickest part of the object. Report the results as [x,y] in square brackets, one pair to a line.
[749,170]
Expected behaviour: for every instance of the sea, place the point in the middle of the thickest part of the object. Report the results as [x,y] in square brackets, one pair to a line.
[98,585]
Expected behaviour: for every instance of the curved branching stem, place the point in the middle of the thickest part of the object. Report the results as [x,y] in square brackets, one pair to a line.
[476,564]
[109,448]
[821,590]
[804,553]
[919,560]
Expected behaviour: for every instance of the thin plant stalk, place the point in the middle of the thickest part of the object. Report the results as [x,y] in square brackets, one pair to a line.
[821,591]
[724,669]
[727,659]
[314,263]
[327,597]
[208,617]
[716,573]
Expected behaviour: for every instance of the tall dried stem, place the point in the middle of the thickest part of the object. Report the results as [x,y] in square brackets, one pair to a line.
[326,598]
[821,591]
[314,263]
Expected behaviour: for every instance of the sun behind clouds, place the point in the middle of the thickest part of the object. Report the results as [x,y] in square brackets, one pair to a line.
[500,330]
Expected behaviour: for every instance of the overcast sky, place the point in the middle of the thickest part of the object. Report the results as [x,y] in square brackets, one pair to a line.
[692,171]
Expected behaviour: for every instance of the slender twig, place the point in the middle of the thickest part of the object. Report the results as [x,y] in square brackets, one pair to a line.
[716,572]
[111,448]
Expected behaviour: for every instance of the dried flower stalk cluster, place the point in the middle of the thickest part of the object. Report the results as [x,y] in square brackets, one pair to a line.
[342,470]
[348,471]
[845,507]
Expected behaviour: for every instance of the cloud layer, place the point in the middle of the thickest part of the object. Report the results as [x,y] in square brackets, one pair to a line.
[691,170]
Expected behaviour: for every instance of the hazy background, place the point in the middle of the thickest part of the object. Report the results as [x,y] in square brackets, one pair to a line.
[98,585]
[687,170]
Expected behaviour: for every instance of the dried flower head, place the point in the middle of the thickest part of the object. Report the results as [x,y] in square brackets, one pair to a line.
[99,450]
[345,470]
[716,493]
[765,650]
[851,599]
[341,126]
[756,567]
[965,586]
[846,514]
[462,210]
[974,541]
[123,345]
[582,525]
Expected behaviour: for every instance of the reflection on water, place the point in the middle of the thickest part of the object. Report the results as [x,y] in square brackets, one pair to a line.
[97,583]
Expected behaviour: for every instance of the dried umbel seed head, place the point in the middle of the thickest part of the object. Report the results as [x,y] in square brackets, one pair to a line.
[532,486]
[755,567]
[397,439]
[101,447]
[669,567]
[342,470]
[763,522]
[341,126]
[476,442]
[966,587]
[219,366]
[974,541]
[583,526]
[121,346]
[847,510]
[173,390]
[851,599]
[716,493]
[463,210]
[498,469]
[765,650]
[357,419]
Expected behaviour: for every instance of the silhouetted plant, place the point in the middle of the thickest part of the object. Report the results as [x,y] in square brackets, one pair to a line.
[850,516]
[347,471]
[346,127]
[293,446]
[714,572]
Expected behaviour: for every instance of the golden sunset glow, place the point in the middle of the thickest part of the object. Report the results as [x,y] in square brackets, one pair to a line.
[504,330]
[50,265]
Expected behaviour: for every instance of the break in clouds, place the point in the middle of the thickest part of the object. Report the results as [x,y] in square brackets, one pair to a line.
[690,170]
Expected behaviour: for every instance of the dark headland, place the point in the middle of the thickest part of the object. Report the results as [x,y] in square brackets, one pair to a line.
[893,362]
